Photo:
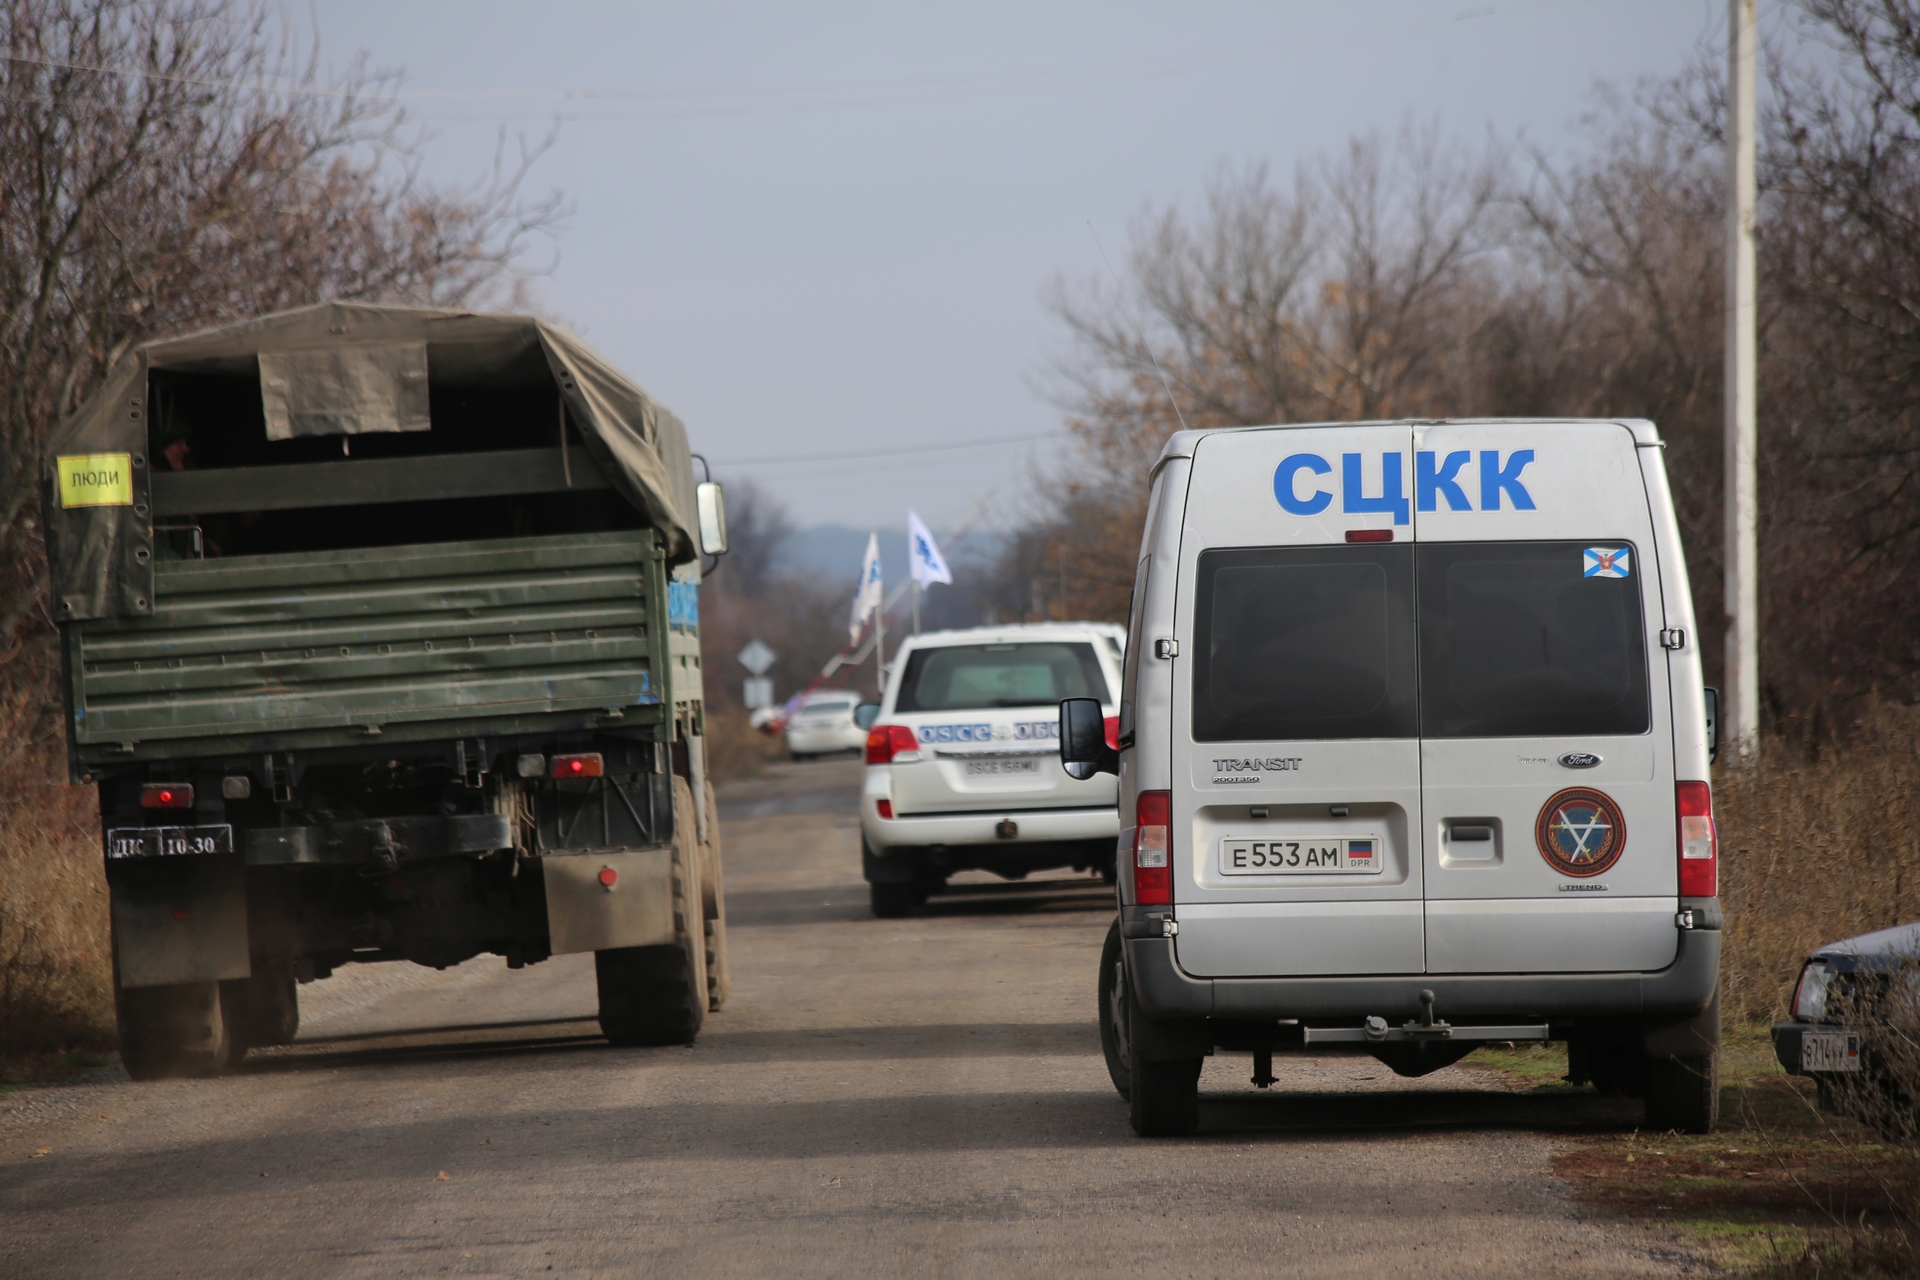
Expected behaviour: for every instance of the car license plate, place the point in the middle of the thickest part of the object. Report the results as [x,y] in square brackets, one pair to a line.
[1331,856]
[1830,1051]
[162,842]
[1002,768]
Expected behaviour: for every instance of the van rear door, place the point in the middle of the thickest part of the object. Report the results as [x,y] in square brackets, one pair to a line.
[1546,747]
[1296,769]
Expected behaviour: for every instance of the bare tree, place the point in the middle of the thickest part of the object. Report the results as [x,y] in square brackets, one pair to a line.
[164,165]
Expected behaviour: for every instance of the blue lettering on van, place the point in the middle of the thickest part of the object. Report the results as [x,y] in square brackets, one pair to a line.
[1393,490]
[1430,485]
[1495,479]
[956,733]
[1434,478]
[1285,490]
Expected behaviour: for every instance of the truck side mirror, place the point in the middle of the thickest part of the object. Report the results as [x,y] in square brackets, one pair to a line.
[865,714]
[711,501]
[1713,725]
[1083,740]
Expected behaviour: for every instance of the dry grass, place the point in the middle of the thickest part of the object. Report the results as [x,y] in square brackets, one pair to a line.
[735,749]
[55,955]
[1816,845]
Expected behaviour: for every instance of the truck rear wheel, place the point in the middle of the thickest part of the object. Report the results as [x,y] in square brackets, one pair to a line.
[178,1030]
[713,897]
[658,995]
[1683,1094]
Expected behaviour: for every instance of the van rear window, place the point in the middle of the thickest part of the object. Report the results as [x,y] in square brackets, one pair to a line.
[974,677]
[1516,640]
[1304,643]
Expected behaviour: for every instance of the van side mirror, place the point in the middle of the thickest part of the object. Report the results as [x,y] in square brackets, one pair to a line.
[865,714]
[1083,740]
[711,501]
[1713,725]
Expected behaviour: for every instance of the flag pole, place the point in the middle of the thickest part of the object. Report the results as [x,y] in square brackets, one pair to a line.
[880,643]
[916,606]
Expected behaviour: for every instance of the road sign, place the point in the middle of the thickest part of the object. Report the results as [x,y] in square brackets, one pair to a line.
[758,693]
[756,657]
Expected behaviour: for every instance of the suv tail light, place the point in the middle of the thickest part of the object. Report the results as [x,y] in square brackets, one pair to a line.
[1699,842]
[166,795]
[1152,850]
[587,765]
[1112,724]
[892,744]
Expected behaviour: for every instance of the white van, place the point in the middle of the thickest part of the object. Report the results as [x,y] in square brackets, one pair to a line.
[962,761]
[1413,755]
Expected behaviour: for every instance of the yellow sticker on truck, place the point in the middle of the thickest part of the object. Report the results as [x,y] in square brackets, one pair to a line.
[96,480]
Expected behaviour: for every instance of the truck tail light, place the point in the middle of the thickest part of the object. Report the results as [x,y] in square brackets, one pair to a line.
[588,764]
[1699,841]
[892,744]
[1152,850]
[166,795]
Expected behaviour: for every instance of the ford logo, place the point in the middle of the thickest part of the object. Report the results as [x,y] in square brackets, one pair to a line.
[1579,760]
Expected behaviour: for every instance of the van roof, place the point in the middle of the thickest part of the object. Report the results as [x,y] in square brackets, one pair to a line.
[1180,444]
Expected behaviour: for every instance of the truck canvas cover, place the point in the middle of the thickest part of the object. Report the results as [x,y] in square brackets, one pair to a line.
[339,369]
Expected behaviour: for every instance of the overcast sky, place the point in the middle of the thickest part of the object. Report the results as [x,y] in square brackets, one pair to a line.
[824,229]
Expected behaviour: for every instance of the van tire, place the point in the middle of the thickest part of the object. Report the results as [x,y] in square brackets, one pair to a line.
[175,1031]
[1683,1094]
[1115,1017]
[894,901]
[1164,1098]
[658,995]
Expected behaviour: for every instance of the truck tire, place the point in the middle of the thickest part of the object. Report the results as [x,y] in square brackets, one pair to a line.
[713,896]
[658,995]
[175,1031]
[270,1000]
[1115,1042]
[893,901]
[1683,1094]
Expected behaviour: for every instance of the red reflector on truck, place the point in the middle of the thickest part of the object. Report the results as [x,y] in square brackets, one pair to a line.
[166,795]
[1699,841]
[1152,850]
[588,765]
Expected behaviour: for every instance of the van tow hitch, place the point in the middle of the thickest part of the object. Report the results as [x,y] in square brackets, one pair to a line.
[1426,1028]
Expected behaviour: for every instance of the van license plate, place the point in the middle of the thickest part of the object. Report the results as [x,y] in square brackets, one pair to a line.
[1001,768]
[161,842]
[1830,1051]
[1333,856]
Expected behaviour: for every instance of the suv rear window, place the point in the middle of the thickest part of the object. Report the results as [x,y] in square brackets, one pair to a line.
[1304,643]
[975,677]
[1517,641]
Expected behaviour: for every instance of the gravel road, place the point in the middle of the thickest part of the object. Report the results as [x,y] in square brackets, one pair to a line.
[920,1096]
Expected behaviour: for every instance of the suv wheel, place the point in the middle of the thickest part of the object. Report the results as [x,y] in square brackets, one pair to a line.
[893,901]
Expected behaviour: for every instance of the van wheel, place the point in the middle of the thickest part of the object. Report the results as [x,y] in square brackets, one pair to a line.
[1164,1100]
[894,901]
[1613,1064]
[1114,1021]
[1683,1094]
[658,995]
[178,1030]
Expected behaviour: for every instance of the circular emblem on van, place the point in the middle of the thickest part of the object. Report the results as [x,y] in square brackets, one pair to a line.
[1581,832]
[1579,760]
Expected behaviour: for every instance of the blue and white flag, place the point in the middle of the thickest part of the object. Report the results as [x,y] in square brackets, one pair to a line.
[870,594]
[923,554]
[1609,562]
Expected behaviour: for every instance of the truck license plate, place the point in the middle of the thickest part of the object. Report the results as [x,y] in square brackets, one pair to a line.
[1332,856]
[1830,1051]
[162,842]
[1001,768]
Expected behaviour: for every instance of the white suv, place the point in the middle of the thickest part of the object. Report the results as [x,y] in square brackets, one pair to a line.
[963,763]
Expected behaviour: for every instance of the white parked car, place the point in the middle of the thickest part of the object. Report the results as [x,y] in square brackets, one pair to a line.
[823,725]
[963,763]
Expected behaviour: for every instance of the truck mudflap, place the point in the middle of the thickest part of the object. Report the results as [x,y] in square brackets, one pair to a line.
[597,901]
[179,920]
[380,841]
[1684,988]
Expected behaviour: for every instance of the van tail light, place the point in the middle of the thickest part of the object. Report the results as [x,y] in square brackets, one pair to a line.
[892,744]
[166,795]
[1112,724]
[1699,842]
[1152,850]
[588,765]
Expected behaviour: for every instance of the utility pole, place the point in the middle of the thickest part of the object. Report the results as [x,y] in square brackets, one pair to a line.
[1740,714]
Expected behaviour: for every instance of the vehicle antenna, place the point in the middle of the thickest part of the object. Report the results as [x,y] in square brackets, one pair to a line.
[1171,399]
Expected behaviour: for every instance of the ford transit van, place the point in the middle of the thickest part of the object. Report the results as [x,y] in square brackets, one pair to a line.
[1413,756]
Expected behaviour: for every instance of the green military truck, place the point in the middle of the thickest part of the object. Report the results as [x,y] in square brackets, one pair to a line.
[380,634]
